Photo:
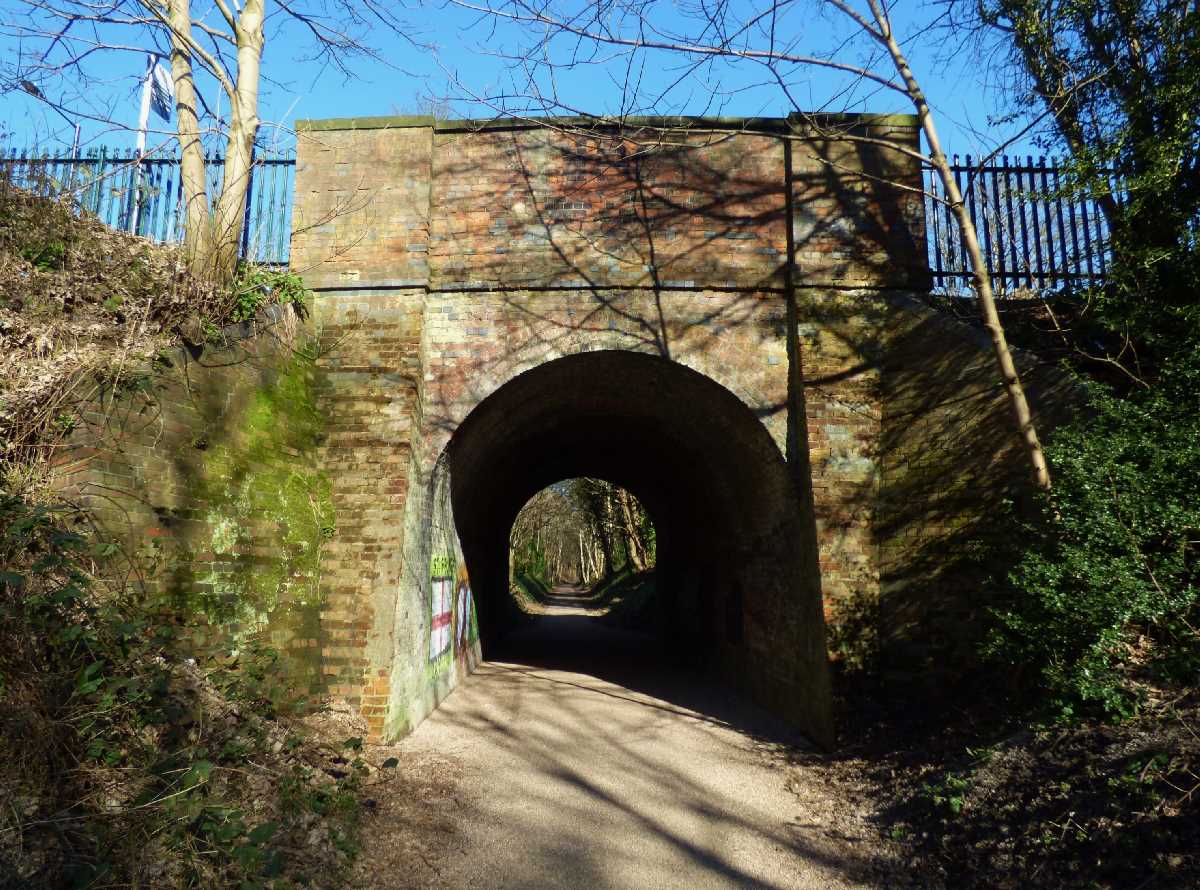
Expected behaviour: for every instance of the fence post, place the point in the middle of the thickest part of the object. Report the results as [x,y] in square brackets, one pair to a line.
[249,195]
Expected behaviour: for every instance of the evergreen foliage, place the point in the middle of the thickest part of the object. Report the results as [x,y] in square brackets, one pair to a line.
[1109,585]
[155,764]
[1105,599]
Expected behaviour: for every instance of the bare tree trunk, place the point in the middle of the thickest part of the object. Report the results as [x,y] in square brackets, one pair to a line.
[239,151]
[197,226]
[980,278]
[633,541]
[597,503]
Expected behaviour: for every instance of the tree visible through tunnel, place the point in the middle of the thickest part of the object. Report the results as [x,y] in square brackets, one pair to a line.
[734,547]
[590,542]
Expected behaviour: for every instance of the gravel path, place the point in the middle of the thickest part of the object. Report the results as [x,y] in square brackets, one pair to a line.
[579,760]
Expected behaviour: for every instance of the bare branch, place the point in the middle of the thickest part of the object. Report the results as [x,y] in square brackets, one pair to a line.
[716,51]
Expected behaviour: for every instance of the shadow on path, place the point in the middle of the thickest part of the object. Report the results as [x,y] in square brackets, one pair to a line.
[557,643]
[587,759]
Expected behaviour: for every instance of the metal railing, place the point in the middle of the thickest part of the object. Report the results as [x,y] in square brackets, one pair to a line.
[1034,234]
[145,195]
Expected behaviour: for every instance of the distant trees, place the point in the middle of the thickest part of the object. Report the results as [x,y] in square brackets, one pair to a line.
[580,531]
[220,46]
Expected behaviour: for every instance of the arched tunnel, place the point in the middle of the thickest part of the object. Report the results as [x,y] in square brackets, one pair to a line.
[736,566]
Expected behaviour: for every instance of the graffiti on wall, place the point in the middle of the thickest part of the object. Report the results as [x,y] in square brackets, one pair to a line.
[451,607]
[464,613]
[441,604]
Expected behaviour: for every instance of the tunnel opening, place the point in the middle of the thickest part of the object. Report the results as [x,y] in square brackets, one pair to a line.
[588,545]
[735,570]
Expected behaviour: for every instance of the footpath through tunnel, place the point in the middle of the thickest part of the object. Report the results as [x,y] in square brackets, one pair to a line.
[737,585]
[583,592]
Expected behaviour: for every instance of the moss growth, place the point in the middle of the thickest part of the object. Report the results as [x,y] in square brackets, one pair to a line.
[267,512]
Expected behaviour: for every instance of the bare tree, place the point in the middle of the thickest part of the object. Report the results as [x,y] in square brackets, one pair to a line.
[628,38]
[619,523]
[220,51]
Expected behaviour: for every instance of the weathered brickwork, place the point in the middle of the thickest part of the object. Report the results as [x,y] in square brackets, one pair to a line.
[203,466]
[363,197]
[851,225]
[838,349]
[392,202]
[369,345]
[538,208]
[770,257]
[949,462]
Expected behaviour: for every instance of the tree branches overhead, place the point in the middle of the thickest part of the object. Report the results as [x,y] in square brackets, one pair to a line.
[630,41]
[64,41]
[216,55]
[1120,80]
[665,56]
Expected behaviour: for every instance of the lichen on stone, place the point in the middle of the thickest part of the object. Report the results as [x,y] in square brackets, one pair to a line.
[269,510]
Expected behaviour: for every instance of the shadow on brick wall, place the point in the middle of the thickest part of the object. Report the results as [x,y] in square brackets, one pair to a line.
[774,261]
[200,467]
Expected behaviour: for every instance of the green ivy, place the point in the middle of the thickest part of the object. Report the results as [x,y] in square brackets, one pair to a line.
[1108,587]
[112,673]
[256,287]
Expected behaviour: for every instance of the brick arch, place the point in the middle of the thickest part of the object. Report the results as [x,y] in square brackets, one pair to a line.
[735,339]
[730,527]
[770,256]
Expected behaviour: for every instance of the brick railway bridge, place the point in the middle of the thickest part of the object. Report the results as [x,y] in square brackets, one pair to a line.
[722,316]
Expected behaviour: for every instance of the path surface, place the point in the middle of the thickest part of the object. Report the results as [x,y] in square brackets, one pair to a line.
[579,761]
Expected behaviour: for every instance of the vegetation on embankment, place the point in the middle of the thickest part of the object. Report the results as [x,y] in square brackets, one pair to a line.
[130,758]
[83,309]
[581,531]
[631,600]
[625,598]
[144,735]
[1068,753]
[1102,608]
[1072,757]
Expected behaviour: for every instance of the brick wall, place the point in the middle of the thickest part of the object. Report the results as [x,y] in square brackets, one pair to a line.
[202,466]
[950,470]
[770,256]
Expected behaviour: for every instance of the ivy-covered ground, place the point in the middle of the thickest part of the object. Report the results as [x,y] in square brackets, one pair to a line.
[972,797]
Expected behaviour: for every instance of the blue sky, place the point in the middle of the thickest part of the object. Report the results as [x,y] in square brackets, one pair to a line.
[452,57]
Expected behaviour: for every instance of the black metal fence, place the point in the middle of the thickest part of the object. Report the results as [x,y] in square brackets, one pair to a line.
[145,195]
[1033,234]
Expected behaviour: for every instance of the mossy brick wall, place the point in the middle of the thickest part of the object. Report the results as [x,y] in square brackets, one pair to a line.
[370,369]
[951,473]
[202,466]
[771,256]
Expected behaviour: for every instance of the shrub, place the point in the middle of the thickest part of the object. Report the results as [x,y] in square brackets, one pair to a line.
[152,763]
[256,287]
[1107,592]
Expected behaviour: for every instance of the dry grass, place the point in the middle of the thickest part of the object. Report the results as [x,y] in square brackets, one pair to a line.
[81,305]
[193,758]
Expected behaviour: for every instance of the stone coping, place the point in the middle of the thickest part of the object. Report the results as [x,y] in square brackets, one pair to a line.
[748,124]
